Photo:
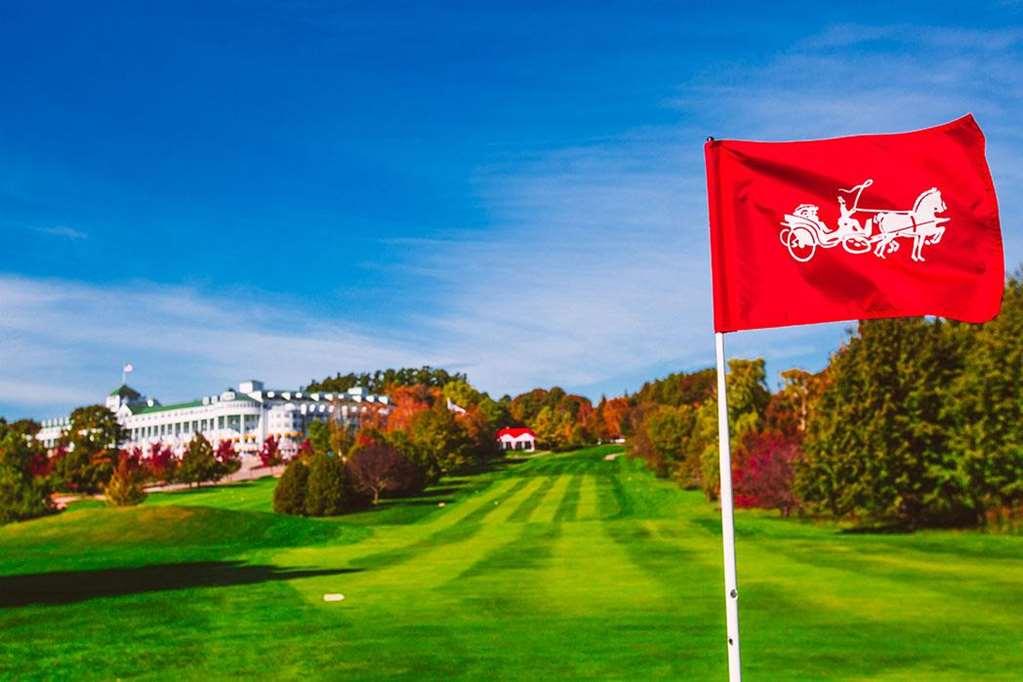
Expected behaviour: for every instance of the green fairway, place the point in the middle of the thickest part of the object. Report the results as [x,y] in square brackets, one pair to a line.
[560,566]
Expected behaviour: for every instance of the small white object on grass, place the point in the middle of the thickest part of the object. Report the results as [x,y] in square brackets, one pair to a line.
[333,596]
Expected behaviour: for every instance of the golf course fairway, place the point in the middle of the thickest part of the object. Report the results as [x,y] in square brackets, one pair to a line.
[560,566]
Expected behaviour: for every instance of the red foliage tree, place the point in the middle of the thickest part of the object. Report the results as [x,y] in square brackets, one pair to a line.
[132,459]
[765,473]
[270,454]
[378,469]
[227,456]
[159,463]
[368,435]
[39,464]
[407,402]
[305,450]
[613,415]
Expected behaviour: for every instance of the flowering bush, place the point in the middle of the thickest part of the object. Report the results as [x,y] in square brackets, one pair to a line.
[765,474]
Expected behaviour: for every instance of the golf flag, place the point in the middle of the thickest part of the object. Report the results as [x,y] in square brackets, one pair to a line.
[854,227]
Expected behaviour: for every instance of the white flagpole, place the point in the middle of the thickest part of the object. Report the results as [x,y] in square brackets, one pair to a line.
[727,526]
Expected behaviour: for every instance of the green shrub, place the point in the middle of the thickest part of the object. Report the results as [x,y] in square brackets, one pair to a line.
[22,495]
[290,493]
[329,490]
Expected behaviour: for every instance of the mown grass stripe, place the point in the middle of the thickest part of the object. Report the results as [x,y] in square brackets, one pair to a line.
[533,547]
[548,507]
[529,505]
[612,500]
[569,504]
[588,508]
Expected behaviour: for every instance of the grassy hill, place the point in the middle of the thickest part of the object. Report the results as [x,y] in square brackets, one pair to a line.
[562,566]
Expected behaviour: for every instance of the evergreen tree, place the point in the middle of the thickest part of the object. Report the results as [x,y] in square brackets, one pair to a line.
[988,410]
[198,463]
[329,490]
[22,495]
[318,436]
[878,446]
[290,493]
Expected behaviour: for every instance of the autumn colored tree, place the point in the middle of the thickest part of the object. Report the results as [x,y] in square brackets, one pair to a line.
[379,468]
[91,445]
[341,438]
[612,415]
[270,453]
[228,459]
[525,407]
[160,462]
[764,477]
[409,401]
[124,489]
[663,439]
[792,406]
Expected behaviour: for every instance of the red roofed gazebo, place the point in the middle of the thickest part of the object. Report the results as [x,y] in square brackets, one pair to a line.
[517,438]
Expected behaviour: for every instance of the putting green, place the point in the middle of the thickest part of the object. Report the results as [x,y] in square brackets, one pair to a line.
[560,566]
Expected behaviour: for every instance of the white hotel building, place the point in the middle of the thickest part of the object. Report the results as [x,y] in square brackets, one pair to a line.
[245,416]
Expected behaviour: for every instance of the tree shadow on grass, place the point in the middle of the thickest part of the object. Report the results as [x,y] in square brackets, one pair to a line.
[65,587]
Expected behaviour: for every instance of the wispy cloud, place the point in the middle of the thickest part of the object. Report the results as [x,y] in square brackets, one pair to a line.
[61,342]
[598,274]
[62,231]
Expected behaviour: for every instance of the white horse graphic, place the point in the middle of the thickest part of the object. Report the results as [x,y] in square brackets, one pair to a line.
[921,224]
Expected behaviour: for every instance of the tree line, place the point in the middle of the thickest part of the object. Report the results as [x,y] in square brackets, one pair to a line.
[913,422]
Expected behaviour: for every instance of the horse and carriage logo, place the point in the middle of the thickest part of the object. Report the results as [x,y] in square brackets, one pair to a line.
[803,232]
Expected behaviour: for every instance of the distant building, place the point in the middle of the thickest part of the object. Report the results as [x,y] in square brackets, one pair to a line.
[517,438]
[245,416]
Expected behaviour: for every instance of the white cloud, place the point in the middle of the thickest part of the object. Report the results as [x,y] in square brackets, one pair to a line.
[63,231]
[73,337]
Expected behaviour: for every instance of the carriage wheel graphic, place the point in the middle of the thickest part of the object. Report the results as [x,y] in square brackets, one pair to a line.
[856,244]
[801,243]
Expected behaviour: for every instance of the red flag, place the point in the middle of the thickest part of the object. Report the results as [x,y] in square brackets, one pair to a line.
[854,227]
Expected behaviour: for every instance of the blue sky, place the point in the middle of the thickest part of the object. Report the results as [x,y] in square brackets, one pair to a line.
[283,190]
